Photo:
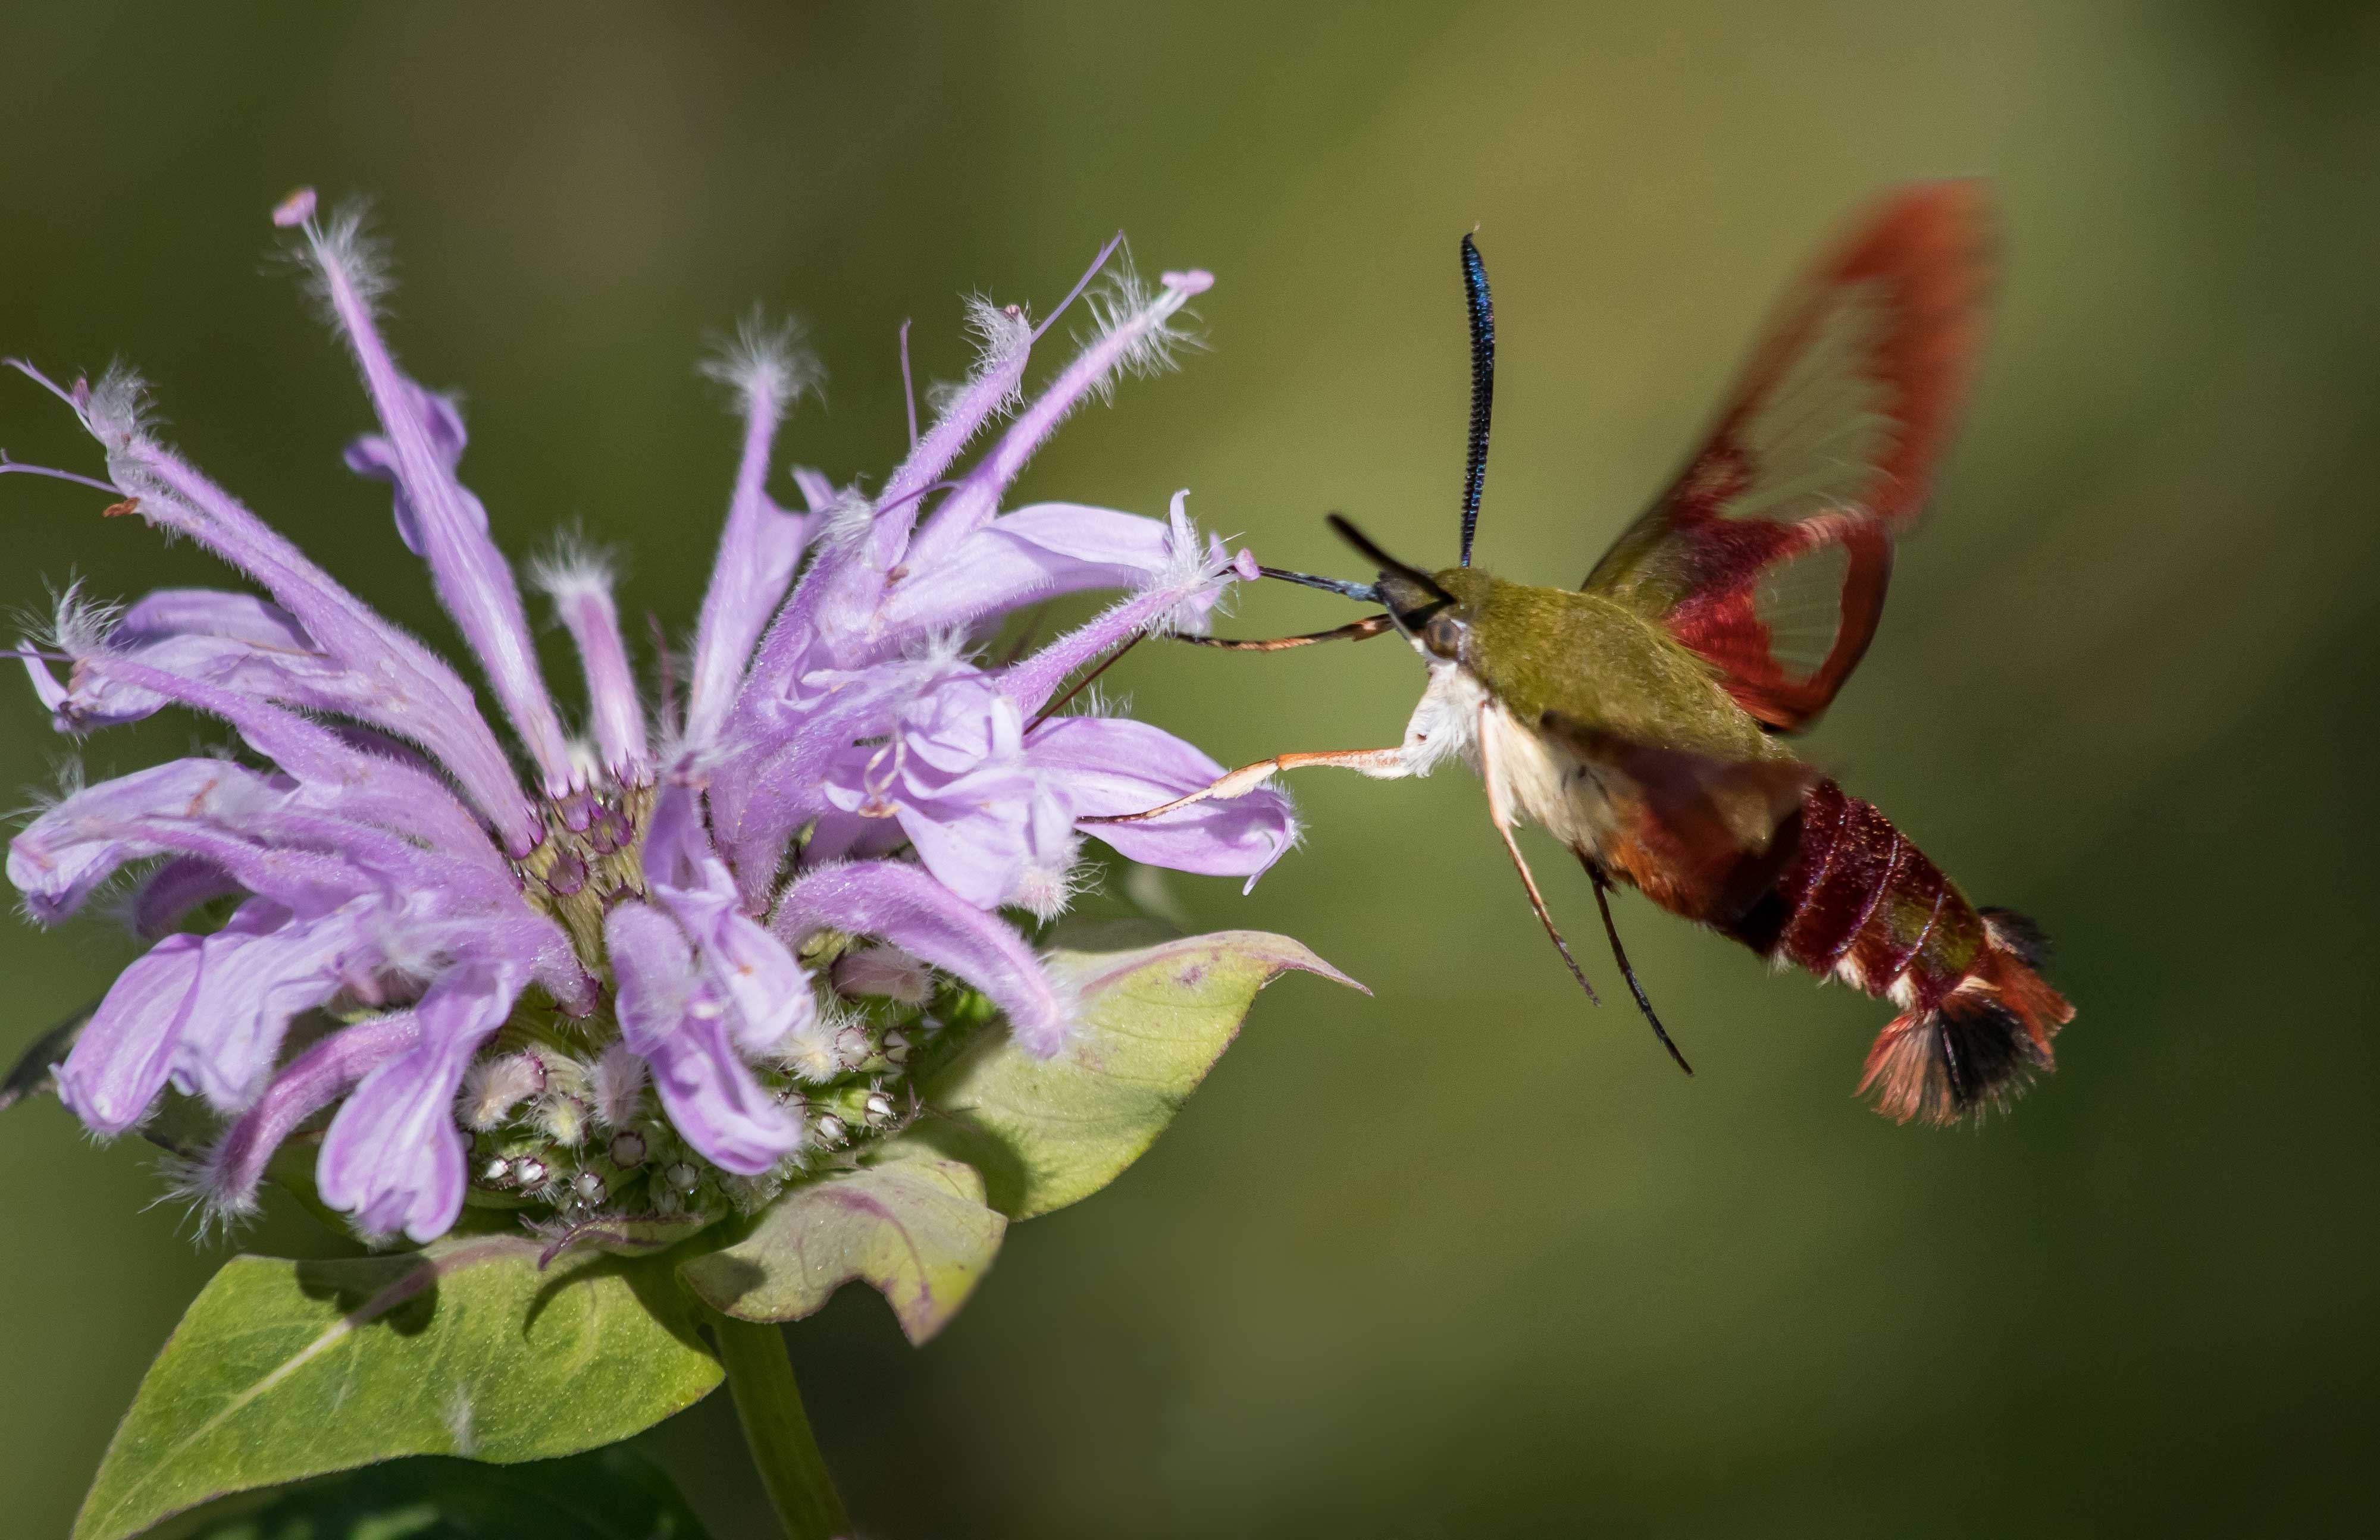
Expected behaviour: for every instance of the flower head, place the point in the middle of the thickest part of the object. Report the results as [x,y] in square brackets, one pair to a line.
[601,973]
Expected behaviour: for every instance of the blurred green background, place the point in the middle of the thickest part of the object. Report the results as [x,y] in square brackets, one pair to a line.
[1466,1257]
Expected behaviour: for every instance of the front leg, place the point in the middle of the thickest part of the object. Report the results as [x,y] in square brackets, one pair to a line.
[1500,812]
[1381,764]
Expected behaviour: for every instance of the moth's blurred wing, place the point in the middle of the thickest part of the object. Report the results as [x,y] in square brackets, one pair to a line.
[1768,556]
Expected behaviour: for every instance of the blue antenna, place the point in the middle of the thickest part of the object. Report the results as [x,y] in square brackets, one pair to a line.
[1483,385]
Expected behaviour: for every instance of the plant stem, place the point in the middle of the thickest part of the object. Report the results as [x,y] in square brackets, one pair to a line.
[769,1404]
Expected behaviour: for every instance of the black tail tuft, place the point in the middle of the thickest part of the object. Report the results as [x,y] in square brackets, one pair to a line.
[1966,1057]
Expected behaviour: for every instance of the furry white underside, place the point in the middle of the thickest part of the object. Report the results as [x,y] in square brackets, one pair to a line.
[1542,782]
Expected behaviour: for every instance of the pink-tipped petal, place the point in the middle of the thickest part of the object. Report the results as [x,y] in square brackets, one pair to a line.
[420,444]
[294,209]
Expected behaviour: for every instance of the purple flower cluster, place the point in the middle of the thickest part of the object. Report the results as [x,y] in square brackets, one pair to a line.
[834,760]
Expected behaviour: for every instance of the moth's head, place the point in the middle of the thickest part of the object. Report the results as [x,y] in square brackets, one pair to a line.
[1433,610]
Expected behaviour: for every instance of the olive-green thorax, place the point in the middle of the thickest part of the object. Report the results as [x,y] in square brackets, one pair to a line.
[1599,664]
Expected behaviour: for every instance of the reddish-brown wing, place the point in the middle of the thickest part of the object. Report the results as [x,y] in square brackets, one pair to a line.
[1769,554]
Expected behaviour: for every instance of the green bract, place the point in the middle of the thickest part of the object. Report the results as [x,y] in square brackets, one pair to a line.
[914,1225]
[1048,1133]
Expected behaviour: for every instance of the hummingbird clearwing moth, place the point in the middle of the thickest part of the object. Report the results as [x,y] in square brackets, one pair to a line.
[1641,717]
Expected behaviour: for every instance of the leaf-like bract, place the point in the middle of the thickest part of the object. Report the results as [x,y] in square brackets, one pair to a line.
[914,1225]
[1150,1024]
[284,1370]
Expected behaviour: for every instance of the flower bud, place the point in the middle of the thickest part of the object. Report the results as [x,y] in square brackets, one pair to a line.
[497,1085]
[563,1119]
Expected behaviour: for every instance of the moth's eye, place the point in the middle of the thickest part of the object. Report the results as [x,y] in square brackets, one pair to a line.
[1443,635]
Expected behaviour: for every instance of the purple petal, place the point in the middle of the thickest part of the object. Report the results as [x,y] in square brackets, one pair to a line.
[671,1017]
[817,492]
[175,889]
[255,973]
[180,807]
[1112,766]
[312,1081]
[758,550]
[234,641]
[440,519]
[582,597]
[977,851]
[260,832]
[121,1061]
[991,387]
[267,834]
[210,612]
[841,836]
[901,903]
[954,773]
[1030,554]
[417,694]
[1180,598]
[1131,337]
[777,753]
[846,583]
[52,695]
[393,1157]
[747,967]
[373,787]
[147,667]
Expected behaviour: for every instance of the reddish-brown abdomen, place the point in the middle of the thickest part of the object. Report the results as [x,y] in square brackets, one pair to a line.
[1861,903]
[1857,901]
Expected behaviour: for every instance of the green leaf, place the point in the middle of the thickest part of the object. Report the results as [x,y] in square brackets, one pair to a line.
[611,1494]
[1048,1133]
[914,1225]
[283,1370]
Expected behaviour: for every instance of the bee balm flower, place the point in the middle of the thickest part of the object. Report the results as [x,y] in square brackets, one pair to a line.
[572,975]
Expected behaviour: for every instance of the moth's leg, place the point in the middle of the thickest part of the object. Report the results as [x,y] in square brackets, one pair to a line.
[1381,764]
[1354,632]
[1500,812]
[1620,955]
